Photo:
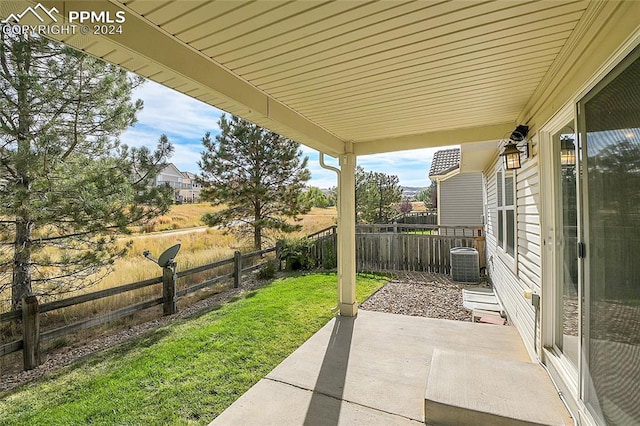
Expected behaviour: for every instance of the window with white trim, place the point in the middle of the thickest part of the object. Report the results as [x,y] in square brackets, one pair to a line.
[505,183]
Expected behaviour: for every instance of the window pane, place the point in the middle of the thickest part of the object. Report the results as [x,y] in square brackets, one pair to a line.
[510,232]
[566,332]
[612,134]
[493,225]
[508,190]
[499,187]
[501,228]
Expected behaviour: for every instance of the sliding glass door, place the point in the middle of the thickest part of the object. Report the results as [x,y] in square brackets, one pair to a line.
[609,124]
[566,338]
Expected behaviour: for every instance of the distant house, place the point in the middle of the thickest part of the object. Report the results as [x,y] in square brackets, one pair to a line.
[191,190]
[184,184]
[460,200]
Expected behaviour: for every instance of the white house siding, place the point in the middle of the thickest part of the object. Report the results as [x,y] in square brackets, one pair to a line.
[511,278]
[460,202]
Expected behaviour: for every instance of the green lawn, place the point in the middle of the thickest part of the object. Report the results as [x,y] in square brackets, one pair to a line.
[190,371]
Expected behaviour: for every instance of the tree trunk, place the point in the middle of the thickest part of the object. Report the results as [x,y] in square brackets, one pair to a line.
[257,228]
[21,284]
[257,238]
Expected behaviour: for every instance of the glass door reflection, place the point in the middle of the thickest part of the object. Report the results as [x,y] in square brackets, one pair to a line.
[567,307]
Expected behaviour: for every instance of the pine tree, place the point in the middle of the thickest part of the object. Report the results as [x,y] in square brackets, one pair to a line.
[257,174]
[67,185]
[376,196]
[314,197]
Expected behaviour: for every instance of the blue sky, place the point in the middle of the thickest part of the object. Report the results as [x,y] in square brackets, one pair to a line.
[185,121]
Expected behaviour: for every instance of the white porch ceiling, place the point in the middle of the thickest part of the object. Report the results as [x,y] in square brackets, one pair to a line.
[370,77]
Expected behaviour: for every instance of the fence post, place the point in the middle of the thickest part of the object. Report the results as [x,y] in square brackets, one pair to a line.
[30,333]
[279,245]
[169,299]
[237,269]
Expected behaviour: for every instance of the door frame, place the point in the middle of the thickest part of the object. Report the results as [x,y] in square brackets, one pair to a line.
[572,388]
[561,369]
[583,218]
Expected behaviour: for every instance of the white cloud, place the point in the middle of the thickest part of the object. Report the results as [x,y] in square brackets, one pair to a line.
[186,158]
[185,121]
[320,177]
[399,158]
[140,136]
[411,167]
[173,113]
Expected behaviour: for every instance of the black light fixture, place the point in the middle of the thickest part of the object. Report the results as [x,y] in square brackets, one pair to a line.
[511,155]
[520,133]
[567,151]
[511,152]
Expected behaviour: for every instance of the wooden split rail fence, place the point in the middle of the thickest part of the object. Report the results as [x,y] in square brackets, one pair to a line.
[30,311]
[388,247]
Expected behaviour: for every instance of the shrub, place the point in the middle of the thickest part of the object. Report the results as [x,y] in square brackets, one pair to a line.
[268,271]
[329,257]
[298,254]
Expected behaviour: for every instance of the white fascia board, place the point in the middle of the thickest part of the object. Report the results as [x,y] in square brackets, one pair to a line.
[435,139]
[448,175]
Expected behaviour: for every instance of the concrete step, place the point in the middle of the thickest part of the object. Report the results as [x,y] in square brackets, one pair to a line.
[480,298]
[470,389]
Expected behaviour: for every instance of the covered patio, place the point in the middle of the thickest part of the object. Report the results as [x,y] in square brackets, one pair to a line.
[358,78]
[364,77]
[386,369]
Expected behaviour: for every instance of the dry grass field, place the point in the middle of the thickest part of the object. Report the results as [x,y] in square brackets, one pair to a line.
[198,247]
[179,217]
[188,216]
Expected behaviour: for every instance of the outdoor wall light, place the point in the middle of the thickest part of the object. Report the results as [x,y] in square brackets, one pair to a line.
[511,152]
[567,151]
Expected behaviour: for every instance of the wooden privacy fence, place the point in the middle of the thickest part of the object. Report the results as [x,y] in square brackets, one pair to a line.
[418,218]
[325,247]
[403,247]
[408,252]
[388,247]
[31,310]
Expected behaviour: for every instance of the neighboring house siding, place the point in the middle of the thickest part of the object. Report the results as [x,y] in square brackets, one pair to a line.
[191,189]
[460,202]
[511,277]
[171,175]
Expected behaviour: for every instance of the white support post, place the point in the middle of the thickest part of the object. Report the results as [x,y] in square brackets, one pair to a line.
[347,236]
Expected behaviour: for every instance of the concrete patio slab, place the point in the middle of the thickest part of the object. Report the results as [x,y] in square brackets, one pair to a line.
[376,361]
[467,388]
[263,405]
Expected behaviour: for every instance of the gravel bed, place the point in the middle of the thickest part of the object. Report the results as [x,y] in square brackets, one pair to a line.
[421,294]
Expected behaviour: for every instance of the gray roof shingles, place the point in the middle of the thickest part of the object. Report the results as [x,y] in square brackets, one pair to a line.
[445,161]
